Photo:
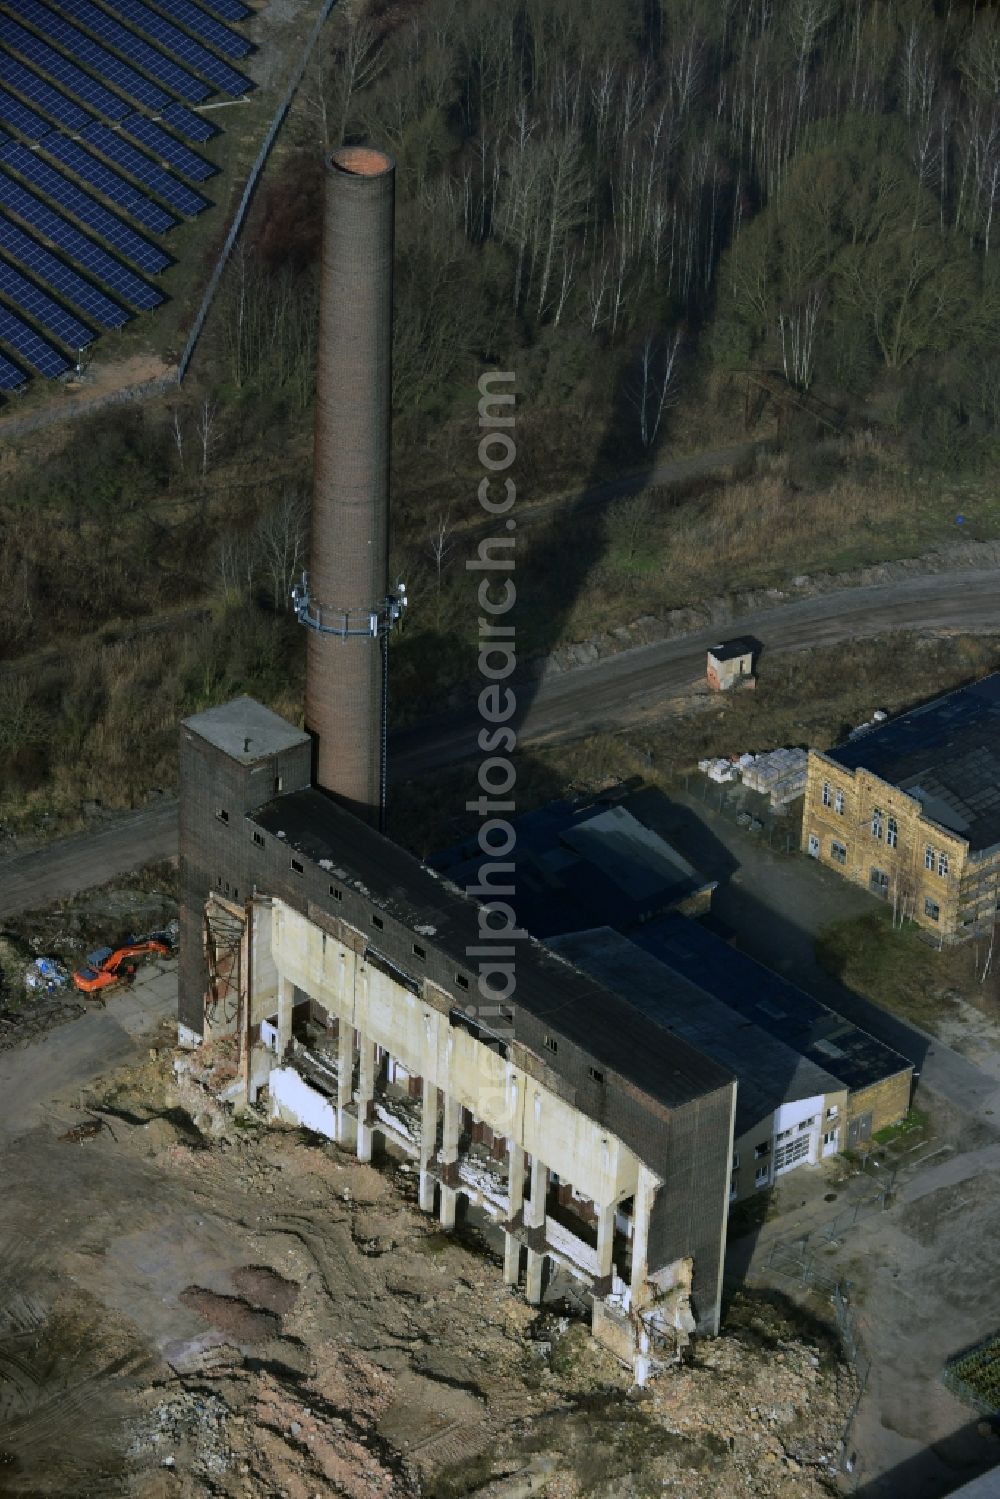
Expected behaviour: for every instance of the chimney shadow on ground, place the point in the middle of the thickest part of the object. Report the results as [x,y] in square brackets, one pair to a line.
[940,1469]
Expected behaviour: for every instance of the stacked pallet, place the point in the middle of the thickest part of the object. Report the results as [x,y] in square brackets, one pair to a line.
[781,775]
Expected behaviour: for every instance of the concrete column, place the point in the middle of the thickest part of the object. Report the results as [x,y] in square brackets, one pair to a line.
[366,1095]
[515,1180]
[428,1139]
[345,1074]
[450,1130]
[511,1259]
[449,1203]
[534,1217]
[644,1194]
[285,995]
[605,1240]
[534,1208]
[533,1278]
[515,1203]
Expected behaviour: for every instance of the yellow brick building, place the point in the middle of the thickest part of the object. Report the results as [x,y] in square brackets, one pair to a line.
[911,811]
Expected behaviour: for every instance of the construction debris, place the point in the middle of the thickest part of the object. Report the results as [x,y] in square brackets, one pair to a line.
[870,723]
[46,974]
[780,774]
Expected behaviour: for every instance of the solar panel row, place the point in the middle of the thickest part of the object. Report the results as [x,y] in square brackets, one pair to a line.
[148,257]
[30,124]
[62,71]
[229,43]
[30,345]
[50,269]
[229,10]
[77,246]
[41,93]
[11,378]
[191,52]
[168,72]
[110,183]
[90,53]
[167,149]
[193,127]
[110,144]
[40,306]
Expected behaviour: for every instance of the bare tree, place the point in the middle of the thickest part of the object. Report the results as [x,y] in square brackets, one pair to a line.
[177,432]
[207,433]
[235,561]
[654,387]
[279,545]
[359,63]
[440,546]
[565,194]
[797,332]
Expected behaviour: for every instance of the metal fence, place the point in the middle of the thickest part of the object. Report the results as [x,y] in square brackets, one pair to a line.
[19,426]
[796,1261]
[750,810]
[248,191]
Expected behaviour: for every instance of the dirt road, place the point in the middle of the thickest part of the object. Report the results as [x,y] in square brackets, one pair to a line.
[86,859]
[627,687]
[611,693]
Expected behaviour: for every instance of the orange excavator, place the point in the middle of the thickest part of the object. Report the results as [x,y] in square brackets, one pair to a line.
[112,965]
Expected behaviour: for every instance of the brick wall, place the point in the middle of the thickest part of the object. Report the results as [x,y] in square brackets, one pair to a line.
[887,1101]
[849,846]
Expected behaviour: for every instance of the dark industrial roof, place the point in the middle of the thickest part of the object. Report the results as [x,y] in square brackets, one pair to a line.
[582,866]
[945,754]
[245,730]
[727,650]
[768,1072]
[778,1007]
[663,1066]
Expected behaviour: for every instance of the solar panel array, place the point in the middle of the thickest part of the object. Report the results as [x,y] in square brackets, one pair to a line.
[66,73]
[110,183]
[102,266]
[49,99]
[47,313]
[95,110]
[229,43]
[138,165]
[193,53]
[71,39]
[229,10]
[50,269]
[85,209]
[168,72]
[193,127]
[31,347]
[187,162]
[11,378]
[22,118]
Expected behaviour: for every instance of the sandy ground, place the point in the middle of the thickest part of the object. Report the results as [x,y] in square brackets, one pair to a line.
[192,1307]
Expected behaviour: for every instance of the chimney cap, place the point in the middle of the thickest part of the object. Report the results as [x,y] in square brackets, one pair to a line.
[361,161]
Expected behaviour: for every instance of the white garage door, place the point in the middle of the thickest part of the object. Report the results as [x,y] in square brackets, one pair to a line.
[787,1156]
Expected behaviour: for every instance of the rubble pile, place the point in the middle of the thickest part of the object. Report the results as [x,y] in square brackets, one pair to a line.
[307,1331]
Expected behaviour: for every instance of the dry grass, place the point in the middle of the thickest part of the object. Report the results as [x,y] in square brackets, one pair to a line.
[104,724]
[809,699]
[896,969]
